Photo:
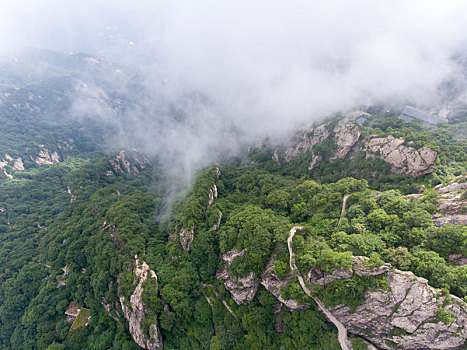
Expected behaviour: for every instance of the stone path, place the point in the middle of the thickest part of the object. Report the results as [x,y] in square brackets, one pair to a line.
[342,331]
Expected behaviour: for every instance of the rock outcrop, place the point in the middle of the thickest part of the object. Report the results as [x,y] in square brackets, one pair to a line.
[304,141]
[186,237]
[218,224]
[458,259]
[47,157]
[135,312]
[403,159]
[9,165]
[406,314]
[348,142]
[212,194]
[128,162]
[347,135]
[242,289]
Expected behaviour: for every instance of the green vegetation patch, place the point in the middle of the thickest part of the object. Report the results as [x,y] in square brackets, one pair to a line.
[82,319]
[349,292]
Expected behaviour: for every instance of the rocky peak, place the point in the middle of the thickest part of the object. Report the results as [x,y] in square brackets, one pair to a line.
[304,141]
[135,312]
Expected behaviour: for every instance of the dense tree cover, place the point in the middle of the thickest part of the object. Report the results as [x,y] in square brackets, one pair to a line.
[44,234]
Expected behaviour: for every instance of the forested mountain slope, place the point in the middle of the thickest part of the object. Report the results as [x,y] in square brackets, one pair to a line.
[382,242]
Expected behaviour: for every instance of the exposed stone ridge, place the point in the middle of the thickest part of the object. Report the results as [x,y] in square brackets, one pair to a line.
[304,141]
[15,164]
[405,314]
[186,238]
[403,159]
[136,312]
[212,194]
[128,162]
[47,157]
[217,225]
[242,289]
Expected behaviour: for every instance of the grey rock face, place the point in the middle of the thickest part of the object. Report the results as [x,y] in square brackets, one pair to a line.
[347,135]
[439,220]
[304,141]
[242,289]
[47,157]
[405,316]
[217,225]
[347,138]
[403,159]
[136,312]
[186,238]
[316,276]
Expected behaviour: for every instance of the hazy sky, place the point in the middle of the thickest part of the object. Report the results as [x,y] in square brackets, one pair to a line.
[263,66]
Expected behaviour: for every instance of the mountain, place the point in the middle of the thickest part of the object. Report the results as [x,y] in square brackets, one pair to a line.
[350,235]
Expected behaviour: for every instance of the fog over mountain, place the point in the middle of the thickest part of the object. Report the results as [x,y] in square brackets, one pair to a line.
[235,72]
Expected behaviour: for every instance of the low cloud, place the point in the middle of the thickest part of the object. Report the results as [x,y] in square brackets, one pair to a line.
[214,75]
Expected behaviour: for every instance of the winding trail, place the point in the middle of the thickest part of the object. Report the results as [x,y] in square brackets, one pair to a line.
[344,203]
[342,331]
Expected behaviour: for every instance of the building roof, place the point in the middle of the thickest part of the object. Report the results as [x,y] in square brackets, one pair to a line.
[413,112]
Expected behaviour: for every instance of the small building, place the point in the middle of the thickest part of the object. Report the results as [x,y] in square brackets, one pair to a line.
[410,113]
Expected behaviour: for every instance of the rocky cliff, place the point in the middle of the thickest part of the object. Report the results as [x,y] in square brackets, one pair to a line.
[403,159]
[347,142]
[406,315]
[135,312]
